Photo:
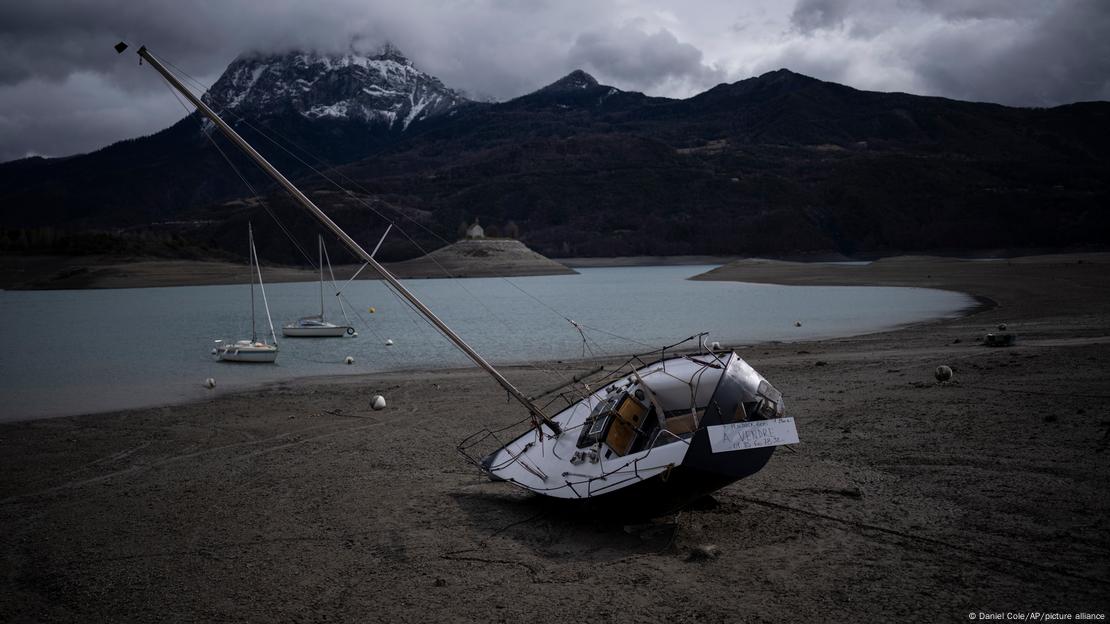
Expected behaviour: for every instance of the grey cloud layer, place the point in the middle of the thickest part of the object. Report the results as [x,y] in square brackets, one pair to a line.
[1009,51]
[643,61]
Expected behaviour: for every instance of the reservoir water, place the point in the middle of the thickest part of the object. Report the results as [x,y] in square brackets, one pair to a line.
[84,351]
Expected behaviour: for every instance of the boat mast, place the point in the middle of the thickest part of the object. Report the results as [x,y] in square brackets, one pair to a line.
[389,278]
[320,251]
[262,287]
[250,265]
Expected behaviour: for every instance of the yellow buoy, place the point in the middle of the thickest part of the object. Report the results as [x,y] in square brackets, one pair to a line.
[370,310]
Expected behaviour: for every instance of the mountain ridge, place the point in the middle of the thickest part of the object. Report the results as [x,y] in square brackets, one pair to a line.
[325,110]
[383,88]
[780,163]
[575,80]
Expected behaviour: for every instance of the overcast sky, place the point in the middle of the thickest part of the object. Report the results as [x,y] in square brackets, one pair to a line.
[63,90]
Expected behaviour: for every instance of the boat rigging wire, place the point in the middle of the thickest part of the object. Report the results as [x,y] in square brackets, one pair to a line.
[531,364]
[250,187]
[535,413]
[331,273]
[864,526]
[353,245]
[392,224]
[281,226]
[578,326]
[261,286]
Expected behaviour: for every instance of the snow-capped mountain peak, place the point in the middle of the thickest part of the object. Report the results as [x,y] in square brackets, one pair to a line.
[384,87]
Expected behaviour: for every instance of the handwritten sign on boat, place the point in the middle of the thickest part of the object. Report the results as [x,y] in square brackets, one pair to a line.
[752,434]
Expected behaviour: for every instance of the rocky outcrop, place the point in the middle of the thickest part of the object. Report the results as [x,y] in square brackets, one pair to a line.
[486,257]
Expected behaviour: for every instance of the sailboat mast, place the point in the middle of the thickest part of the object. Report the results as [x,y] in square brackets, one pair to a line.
[250,266]
[262,287]
[350,242]
[320,251]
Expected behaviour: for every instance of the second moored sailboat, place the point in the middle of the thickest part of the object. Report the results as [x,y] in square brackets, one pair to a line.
[316,326]
[251,350]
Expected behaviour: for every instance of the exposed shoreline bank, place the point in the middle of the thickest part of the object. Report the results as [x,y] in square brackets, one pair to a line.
[296,501]
[467,258]
[90,272]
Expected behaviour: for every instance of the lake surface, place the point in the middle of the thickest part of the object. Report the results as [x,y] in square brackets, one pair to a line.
[84,351]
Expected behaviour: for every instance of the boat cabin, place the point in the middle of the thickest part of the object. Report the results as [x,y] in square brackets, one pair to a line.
[636,416]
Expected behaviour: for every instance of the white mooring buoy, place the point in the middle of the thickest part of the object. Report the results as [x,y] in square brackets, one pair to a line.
[377,402]
[350,360]
[389,342]
[943,373]
[209,383]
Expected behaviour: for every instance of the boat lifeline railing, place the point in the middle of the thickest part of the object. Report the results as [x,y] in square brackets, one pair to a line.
[326,221]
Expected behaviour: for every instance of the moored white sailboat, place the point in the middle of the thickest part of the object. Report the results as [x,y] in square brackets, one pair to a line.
[251,350]
[316,326]
[246,351]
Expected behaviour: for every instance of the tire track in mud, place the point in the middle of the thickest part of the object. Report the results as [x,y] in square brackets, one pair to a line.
[861,528]
[77,483]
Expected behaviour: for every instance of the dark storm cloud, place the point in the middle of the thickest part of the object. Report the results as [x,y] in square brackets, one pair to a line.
[1062,57]
[491,43]
[812,15]
[643,61]
[45,118]
[58,49]
[52,39]
[1017,53]
[871,16]
[63,90]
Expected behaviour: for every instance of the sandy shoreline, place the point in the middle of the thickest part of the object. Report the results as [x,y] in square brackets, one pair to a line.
[907,500]
[627,261]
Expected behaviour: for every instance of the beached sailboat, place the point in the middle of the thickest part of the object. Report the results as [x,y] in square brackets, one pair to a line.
[659,436]
[251,350]
[317,326]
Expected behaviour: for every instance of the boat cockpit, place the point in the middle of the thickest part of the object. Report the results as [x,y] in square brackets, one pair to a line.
[636,415]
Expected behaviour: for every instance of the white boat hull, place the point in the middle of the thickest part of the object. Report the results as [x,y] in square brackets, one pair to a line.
[335,331]
[258,353]
[726,422]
